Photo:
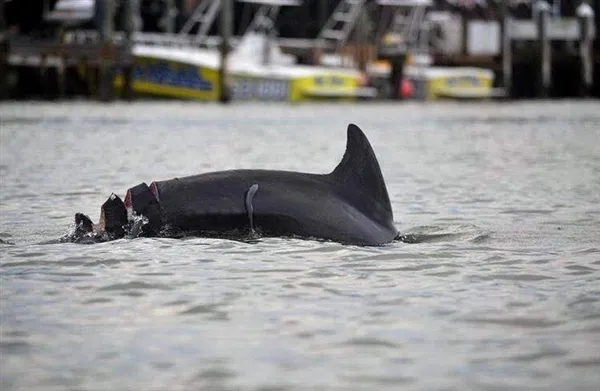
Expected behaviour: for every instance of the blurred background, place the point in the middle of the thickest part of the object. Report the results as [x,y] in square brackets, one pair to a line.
[294,50]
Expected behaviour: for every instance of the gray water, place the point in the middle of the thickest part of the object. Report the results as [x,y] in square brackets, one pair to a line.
[502,292]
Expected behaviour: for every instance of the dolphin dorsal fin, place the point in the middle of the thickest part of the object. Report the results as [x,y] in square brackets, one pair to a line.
[360,177]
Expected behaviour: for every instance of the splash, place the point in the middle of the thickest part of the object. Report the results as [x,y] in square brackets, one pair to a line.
[444,233]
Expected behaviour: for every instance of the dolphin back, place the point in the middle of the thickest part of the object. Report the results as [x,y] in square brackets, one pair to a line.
[359,180]
[349,205]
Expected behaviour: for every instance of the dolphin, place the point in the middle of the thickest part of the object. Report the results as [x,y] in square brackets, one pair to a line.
[349,205]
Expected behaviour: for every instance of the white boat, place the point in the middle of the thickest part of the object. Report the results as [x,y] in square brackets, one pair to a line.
[257,70]
[430,82]
[434,82]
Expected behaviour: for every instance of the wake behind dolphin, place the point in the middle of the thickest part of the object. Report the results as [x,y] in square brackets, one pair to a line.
[350,205]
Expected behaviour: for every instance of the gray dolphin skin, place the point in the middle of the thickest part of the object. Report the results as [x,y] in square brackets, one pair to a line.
[350,205]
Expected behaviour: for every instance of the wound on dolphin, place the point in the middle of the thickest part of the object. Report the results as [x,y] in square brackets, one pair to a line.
[349,205]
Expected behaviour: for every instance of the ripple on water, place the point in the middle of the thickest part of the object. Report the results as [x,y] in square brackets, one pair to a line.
[416,268]
[380,380]
[585,362]
[14,333]
[14,346]
[527,211]
[135,285]
[212,311]
[29,254]
[522,322]
[98,300]
[490,294]
[585,299]
[579,270]
[176,303]
[277,270]
[106,262]
[550,353]
[512,277]
[372,342]
[591,250]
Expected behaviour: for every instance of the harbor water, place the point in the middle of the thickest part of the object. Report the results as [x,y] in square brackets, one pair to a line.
[499,291]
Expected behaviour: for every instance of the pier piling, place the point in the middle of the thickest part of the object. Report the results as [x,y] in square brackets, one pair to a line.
[43,77]
[61,79]
[585,14]
[226,21]
[170,16]
[106,29]
[131,25]
[396,76]
[507,62]
[3,55]
[542,15]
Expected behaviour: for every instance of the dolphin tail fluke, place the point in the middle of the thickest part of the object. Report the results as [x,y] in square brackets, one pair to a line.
[360,176]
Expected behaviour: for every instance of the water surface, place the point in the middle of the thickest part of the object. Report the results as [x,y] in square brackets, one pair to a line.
[501,292]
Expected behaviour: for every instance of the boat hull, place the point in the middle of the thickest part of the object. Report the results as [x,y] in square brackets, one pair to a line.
[432,83]
[166,76]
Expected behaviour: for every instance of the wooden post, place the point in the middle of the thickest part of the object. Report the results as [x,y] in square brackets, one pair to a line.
[361,42]
[60,78]
[130,14]
[506,50]
[585,14]
[317,52]
[397,75]
[556,8]
[106,27]
[542,15]
[226,28]
[464,23]
[269,38]
[169,17]
[322,13]
[43,75]
[3,55]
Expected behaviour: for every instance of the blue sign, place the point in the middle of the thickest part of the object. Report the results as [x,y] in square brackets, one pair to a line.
[463,81]
[335,81]
[180,75]
[261,89]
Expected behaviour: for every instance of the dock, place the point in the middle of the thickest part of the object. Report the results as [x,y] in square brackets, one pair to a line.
[55,56]
[543,54]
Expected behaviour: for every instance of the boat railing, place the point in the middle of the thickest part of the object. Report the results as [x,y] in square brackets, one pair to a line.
[409,24]
[176,40]
[162,39]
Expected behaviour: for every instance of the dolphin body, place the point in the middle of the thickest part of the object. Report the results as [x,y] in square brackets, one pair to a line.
[350,205]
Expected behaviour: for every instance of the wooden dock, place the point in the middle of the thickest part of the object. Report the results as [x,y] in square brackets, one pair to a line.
[530,57]
[59,56]
[57,53]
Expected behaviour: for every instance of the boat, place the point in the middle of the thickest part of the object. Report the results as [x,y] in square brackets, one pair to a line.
[430,82]
[465,83]
[257,69]
[193,73]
